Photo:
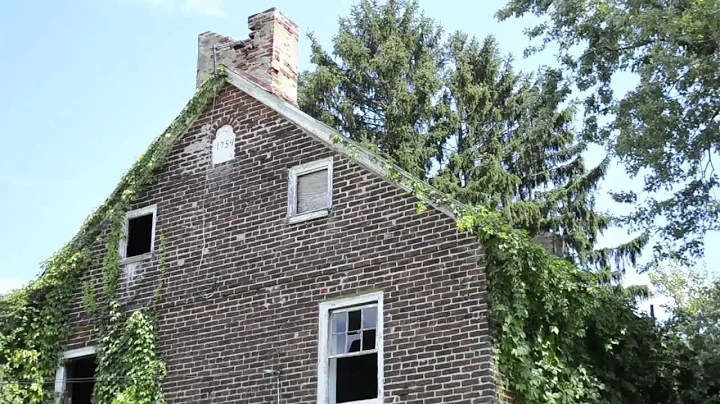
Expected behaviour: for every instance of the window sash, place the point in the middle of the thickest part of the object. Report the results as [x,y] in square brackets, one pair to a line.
[351,354]
[326,392]
[352,308]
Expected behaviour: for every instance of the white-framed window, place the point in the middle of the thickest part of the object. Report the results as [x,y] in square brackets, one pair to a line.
[75,377]
[310,190]
[138,241]
[350,350]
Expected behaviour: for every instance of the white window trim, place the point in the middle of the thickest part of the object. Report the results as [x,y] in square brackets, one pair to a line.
[123,241]
[308,168]
[60,373]
[323,391]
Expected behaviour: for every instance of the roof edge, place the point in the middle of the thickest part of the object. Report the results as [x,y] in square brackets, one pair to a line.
[336,141]
[153,157]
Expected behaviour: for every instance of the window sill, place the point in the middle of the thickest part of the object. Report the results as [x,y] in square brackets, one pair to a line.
[136,258]
[308,216]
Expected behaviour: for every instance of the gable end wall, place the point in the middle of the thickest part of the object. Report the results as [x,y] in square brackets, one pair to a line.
[252,303]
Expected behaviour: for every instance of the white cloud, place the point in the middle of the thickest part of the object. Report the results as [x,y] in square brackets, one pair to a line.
[210,8]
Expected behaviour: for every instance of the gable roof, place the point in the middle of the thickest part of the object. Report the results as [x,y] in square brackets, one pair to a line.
[336,141]
[152,160]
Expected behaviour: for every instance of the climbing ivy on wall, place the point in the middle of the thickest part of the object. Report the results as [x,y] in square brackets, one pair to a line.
[561,334]
[33,320]
[551,340]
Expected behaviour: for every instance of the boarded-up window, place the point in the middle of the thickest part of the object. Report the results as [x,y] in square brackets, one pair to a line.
[312,192]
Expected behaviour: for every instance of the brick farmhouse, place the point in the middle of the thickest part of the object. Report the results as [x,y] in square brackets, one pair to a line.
[296,271]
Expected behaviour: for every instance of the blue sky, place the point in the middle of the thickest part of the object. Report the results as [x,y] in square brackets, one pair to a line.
[87,84]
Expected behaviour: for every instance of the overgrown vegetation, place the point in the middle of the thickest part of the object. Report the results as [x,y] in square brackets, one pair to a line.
[34,320]
[453,110]
[563,334]
[665,129]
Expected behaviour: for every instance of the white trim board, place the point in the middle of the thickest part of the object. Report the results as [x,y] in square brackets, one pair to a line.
[308,168]
[122,247]
[80,352]
[70,354]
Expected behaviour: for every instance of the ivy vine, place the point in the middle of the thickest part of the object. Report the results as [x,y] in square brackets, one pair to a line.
[541,306]
[34,320]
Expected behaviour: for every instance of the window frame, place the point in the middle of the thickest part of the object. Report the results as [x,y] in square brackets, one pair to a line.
[303,169]
[61,372]
[152,209]
[324,390]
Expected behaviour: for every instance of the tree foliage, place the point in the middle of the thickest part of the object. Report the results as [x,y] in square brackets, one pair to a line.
[381,90]
[692,331]
[503,142]
[666,129]
[454,111]
[562,334]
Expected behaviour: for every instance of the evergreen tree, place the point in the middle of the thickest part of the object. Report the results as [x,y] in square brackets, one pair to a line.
[379,87]
[504,140]
[455,112]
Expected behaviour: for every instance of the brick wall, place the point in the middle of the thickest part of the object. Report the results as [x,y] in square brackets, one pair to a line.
[243,285]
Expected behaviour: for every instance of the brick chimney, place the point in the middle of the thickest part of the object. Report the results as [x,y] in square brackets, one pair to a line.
[551,242]
[268,57]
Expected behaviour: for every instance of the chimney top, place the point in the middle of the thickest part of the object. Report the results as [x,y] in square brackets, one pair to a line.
[269,56]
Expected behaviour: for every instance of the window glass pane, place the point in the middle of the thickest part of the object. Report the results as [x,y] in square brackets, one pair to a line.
[356,378]
[339,321]
[368,340]
[354,320]
[312,191]
[338,345]
[353,342]
[369,317]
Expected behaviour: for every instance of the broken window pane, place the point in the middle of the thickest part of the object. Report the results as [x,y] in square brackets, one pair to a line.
[354,359]
[312,191]
[354,320]
[356,378]
[80,376]
[353,342]
[139,235]
[368,340]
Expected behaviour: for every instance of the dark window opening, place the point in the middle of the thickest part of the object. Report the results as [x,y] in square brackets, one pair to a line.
[356,378]
[80,379]
[354,320]
[139,235]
